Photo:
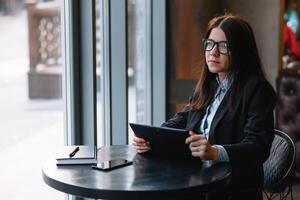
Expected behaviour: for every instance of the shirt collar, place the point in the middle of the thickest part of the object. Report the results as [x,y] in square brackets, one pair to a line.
[226,82]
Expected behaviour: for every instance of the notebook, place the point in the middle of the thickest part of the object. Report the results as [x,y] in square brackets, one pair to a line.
[163,140]
[77,155]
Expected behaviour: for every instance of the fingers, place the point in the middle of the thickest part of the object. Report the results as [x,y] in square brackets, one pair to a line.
[200,151]
[138,140]
[200,154]
[143,145]
[210,152]
[142,149]
[191,132]
[200,146]
[194,137]
[140,144]
[198,142]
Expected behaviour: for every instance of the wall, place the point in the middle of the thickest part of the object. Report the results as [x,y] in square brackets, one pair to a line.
[186,23]
[264,17]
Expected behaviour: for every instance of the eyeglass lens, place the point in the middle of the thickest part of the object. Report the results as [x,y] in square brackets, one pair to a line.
[209,45]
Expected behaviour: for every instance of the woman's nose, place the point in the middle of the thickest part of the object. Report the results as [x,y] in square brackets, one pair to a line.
[214,51]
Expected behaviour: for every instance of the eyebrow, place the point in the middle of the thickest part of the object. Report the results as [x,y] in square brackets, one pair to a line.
[217,41]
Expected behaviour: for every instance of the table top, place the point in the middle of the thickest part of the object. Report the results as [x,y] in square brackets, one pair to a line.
[148,177]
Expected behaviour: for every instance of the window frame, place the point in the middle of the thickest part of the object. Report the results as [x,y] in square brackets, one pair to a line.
[79,82]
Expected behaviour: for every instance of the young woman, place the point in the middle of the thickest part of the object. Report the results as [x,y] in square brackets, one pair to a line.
[230,115]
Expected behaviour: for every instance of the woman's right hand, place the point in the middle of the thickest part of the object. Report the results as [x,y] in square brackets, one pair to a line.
[140,144]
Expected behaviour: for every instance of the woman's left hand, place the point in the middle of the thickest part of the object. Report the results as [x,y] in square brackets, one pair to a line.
[200,147]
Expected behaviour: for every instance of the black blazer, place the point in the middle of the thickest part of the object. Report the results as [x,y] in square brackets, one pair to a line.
[245,129]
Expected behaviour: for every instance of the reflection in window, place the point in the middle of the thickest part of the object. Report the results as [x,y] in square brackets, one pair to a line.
[139,70]
[31,118]
[102,71]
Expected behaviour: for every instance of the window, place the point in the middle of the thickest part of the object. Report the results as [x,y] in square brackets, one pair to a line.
[139,61]
[102,72]
[128,59]
[31,103]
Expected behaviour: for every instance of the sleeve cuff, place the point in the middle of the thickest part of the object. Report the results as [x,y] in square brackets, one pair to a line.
[222,155]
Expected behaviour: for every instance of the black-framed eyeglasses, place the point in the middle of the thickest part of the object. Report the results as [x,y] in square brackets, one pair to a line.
[208,45]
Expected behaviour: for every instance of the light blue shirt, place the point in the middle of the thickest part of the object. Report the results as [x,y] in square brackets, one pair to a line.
[211,110]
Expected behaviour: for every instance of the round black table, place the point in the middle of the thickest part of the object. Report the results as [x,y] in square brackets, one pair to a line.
[148,177]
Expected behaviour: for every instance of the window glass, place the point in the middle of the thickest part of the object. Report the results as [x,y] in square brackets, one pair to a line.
[31,104]
[139,68]
[102,72]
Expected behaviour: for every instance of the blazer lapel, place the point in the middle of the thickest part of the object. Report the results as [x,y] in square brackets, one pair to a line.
[194,118]
[222,109]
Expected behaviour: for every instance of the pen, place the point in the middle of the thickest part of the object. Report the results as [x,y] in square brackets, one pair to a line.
[74,152]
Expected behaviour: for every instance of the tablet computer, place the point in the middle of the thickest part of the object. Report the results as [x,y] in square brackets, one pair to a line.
[163,140]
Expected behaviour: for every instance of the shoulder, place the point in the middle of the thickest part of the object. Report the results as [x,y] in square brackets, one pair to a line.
[259,87]
[254,83]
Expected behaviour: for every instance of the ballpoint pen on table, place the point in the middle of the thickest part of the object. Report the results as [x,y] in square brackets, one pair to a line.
[74,152]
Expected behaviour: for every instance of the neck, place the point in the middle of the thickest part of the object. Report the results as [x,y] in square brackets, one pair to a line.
[222,76]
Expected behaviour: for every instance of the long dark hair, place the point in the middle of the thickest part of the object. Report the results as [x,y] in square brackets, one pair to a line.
[244,59]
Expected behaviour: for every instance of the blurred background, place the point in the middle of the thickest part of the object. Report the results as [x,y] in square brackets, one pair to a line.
[33,104]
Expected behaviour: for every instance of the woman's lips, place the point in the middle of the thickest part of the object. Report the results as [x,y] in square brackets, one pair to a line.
[214,61]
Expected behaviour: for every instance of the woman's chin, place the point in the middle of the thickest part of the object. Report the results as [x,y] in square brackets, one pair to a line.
[214,70]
